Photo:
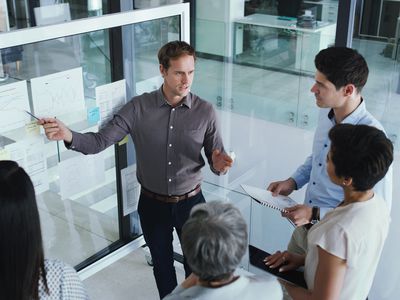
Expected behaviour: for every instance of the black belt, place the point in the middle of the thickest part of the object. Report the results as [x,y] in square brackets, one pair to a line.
[171,199]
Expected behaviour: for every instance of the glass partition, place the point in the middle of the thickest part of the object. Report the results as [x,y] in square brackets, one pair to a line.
[143,70]
[256,65]
[76,194]
[68,72]
[376,37]
[149,37]
[261,82]
[272,48]
[273,42]
[23,14]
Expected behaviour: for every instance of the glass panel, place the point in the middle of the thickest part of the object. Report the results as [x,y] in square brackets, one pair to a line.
[22,14]
[376,37]
[76,196]
[154,3]
[149,37]
[272,43]
[283,51]
[142,69]
[256,64]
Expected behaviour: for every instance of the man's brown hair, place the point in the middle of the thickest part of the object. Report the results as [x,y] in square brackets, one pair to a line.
[174,50]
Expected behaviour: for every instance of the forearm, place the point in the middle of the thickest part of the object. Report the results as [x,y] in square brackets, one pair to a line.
[88,143]
[91,143]
[213,141]
[302,174]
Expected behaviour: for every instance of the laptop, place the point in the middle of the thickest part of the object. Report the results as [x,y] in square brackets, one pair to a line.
[257,259]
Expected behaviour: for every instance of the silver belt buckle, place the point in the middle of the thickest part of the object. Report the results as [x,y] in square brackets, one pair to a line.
[174,199]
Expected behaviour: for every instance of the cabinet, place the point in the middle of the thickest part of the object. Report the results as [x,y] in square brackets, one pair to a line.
[326,11]
[272,42]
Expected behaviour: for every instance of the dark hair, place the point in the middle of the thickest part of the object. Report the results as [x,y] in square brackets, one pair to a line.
[21,251]
[361,152]
[174,50]
[214,240]
[342,66]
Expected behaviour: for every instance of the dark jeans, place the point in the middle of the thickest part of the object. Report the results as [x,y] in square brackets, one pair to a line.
[158,220]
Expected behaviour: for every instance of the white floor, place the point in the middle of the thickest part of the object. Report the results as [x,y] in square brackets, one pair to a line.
[129,278]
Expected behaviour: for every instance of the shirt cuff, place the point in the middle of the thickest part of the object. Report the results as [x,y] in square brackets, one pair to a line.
[218,173]
[70,145]
[300,180]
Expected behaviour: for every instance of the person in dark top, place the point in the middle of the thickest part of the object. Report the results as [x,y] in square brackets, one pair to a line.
[169,127]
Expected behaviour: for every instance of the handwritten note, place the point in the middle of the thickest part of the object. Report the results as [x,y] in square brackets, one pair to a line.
[110,98]
[58,93]
[130,189]
[13,101]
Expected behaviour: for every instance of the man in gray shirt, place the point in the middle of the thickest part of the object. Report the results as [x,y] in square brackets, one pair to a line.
[169,128]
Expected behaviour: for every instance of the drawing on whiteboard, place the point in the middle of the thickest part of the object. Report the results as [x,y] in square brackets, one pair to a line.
[13,100]
[30,154]
[110,98]
[58,93]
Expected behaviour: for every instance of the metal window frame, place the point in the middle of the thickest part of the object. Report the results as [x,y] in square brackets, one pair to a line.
[49,32]
[345,23]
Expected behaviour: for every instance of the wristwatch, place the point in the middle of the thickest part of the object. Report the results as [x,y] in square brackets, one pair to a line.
[315,215]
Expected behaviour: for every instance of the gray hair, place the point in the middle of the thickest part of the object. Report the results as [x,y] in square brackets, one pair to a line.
[214,240]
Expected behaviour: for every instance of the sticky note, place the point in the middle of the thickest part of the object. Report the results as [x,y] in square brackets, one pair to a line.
[93,115]
[4,154]
[32,128]
[123,141]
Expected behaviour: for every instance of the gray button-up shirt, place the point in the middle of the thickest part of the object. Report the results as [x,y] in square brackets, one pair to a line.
[167,140]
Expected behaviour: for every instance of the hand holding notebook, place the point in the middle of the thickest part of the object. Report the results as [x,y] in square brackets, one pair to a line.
[265,197]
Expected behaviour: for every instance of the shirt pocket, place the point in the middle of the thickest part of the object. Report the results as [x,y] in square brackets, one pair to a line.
[191,141]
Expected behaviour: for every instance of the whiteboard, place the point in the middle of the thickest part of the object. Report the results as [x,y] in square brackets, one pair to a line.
[59,93]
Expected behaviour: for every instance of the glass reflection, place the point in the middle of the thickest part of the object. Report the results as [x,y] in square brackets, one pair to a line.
[87,219]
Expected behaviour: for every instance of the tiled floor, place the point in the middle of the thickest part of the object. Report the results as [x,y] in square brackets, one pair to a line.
[130,278]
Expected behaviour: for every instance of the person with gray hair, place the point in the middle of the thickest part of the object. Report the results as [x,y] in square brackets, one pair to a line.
[214,241]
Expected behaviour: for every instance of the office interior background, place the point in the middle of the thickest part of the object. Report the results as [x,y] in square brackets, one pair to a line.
[79,60]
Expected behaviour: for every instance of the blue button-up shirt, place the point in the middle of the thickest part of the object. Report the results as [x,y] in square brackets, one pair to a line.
[321,191]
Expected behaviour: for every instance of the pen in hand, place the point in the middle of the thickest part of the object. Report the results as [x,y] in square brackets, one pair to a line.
[32,115]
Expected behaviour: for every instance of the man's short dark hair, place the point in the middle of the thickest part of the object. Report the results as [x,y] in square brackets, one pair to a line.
[174,50]
[361,152]
[342,66]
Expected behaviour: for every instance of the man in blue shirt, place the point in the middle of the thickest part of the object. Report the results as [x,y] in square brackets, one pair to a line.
[341,74]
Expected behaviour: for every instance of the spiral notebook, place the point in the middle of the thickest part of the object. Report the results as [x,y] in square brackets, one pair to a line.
[265,198]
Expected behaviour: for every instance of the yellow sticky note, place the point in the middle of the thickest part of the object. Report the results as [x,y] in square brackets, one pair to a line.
[123,141]
[4,154]
[32,128]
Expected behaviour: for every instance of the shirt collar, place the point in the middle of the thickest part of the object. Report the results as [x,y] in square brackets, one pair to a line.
[354,117]
[187,100]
